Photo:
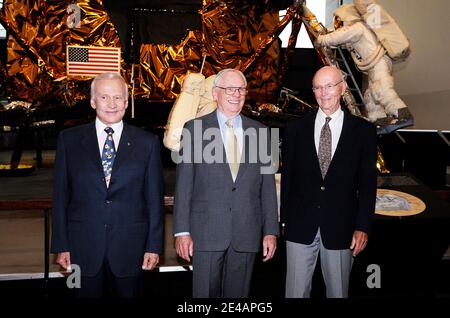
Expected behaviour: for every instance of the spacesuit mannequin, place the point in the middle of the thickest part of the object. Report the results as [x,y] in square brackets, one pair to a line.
[195,100]
[383,105]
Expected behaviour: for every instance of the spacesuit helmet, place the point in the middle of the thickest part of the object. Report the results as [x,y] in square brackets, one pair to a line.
[347,13]
[363,6]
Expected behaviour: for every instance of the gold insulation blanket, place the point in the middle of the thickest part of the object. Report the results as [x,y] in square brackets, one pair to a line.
[231,33]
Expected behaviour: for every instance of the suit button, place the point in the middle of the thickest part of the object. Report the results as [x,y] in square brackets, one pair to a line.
[318,206]
[233,189]
[108,201]
[322,188]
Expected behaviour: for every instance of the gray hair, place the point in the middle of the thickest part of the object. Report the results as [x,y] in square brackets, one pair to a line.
[225,71]
[109,76]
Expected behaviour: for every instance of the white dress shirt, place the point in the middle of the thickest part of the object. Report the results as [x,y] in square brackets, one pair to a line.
[101,134]
[336,122]
[237,127]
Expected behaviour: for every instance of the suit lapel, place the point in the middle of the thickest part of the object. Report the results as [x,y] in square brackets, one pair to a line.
[344,139]
[311,144]
[126,145]
[211,121]
[245,155]
[89,142]
[310,138]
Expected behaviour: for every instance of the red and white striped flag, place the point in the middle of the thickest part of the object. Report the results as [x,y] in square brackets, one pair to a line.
[92,60]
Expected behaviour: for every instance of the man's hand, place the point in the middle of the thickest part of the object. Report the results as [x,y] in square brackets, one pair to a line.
[150,261]
[184,246]
[359,242]
[63,259]
[269,246]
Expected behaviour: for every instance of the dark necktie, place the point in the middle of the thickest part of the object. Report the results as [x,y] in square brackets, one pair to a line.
[108,154]
[325,147]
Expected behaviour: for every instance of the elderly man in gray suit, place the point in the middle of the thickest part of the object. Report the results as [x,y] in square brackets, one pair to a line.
[225,200]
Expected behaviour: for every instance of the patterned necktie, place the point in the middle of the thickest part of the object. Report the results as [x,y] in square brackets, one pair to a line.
[325,147]
[233,154]
[108,154]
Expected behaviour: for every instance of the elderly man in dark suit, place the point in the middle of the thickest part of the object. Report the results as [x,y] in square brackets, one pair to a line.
[224,200]
[328,189]
[108,196]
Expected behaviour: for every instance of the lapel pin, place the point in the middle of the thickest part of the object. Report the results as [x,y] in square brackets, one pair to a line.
[129,144]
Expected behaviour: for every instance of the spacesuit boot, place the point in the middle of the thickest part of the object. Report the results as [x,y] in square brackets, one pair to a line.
[375,113]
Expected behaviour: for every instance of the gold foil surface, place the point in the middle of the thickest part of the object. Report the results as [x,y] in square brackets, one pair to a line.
[232,31]
[39,32]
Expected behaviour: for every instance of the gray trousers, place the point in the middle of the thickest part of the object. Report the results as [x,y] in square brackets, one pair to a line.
[301,262]
[223,274]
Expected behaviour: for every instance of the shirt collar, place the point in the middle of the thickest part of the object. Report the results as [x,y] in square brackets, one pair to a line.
[236,120]
[100,127]
[337,114]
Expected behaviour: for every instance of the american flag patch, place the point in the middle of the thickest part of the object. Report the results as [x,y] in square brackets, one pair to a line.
[92,60]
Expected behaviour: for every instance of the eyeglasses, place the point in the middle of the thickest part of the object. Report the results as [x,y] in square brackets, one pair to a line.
[328,87]
[233,90]
[118,99]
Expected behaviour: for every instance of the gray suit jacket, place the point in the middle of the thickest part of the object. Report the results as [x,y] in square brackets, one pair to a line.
[216,211]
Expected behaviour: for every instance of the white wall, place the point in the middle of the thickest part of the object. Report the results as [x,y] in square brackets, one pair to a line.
[423,81]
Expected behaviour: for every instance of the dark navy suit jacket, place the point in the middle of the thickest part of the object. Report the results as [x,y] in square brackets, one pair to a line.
[119,223]
[342,202]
